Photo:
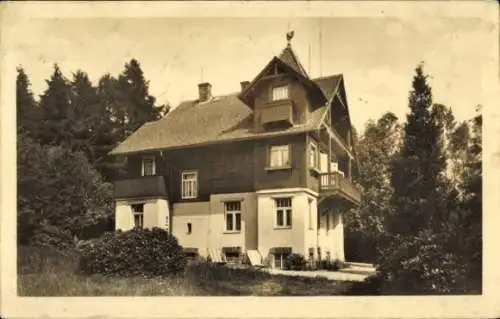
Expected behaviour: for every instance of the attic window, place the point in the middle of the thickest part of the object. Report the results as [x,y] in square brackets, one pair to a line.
[148,166]
[280,93]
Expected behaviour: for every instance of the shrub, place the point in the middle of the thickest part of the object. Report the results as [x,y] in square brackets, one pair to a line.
[295,262]
[60,196]
[335,265]
[138,252]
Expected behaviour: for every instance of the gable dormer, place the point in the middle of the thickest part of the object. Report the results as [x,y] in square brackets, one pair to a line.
[282,94]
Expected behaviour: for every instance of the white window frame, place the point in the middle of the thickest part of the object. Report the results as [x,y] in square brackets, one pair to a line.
[139,214]
[314,161]
[149,157]
[286,212]
[282,157]
[189,186]
[280,93]
[231,210]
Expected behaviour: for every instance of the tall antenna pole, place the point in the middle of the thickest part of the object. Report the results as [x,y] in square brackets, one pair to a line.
[309,61]
[320,50]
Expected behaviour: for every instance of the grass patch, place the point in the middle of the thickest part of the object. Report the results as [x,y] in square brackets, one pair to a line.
[43,272]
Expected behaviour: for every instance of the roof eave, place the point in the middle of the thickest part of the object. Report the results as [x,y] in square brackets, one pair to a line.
[231,140]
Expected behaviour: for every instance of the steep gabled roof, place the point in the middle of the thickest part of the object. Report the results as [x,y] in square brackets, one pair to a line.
[223,119]
[329,84]
[289,57]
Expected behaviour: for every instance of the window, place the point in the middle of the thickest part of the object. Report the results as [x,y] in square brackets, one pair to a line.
[279,260]
[138,213]
[280,93]
[233,216]
[313,155]
[279,156]
[310,214]
[283,212]
[189,228]
[148,166]
[189,185]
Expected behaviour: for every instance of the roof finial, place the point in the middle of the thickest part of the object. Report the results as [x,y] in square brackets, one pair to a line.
[289,36]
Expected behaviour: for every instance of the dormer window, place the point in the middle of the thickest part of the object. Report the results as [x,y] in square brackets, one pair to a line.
[148,166]
[280,93]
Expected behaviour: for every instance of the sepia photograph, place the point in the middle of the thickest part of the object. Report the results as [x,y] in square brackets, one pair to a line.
[310,152]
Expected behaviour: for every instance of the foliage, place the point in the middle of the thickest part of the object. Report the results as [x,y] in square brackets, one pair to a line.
[59,194]
[425,249]
[418,170]
[365,225]
[422,264]
[28,113]
[138,252]
[331,265]
[136,105]
[295,262]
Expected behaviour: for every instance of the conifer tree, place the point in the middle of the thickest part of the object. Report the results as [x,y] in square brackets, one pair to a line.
[54,106]
[84,115]
[136,101]
[26,106]
[418,172]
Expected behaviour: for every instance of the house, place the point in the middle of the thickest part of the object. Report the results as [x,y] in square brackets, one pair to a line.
[267,170]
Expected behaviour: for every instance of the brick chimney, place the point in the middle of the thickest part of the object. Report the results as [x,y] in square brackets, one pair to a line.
[205,91]
[244,85]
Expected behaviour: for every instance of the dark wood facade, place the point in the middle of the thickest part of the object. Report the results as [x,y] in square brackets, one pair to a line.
[243,166]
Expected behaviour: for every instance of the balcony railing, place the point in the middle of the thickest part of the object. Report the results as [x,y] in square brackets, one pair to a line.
[277,111]
[334,183]
[145,186]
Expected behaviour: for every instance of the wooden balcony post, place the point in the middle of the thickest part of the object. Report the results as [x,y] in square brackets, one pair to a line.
[349,161]
[329,164]
[349,169]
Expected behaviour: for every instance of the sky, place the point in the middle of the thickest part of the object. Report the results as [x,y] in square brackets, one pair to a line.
[376,55]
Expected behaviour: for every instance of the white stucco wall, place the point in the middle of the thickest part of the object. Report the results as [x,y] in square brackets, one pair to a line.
[332,240]
[310,229]
[123,216]
[196,213]
[269,235]
[155,212]
[209,223]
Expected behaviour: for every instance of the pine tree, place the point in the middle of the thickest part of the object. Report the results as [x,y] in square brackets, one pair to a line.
[84,115]
[136,101]
[28,114]
[418,171]
[54,106]
[113,127]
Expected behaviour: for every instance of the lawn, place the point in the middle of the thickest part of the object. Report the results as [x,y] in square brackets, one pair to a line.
[47,273]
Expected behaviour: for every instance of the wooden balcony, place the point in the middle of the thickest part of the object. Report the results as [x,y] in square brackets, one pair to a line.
[140,187]
[335,185]
[277,111]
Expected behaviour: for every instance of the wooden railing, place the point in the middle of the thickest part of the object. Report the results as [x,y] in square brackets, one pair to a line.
[333,181]
[277,111]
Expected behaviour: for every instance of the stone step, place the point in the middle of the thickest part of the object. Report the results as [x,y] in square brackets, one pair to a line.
[358,264]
